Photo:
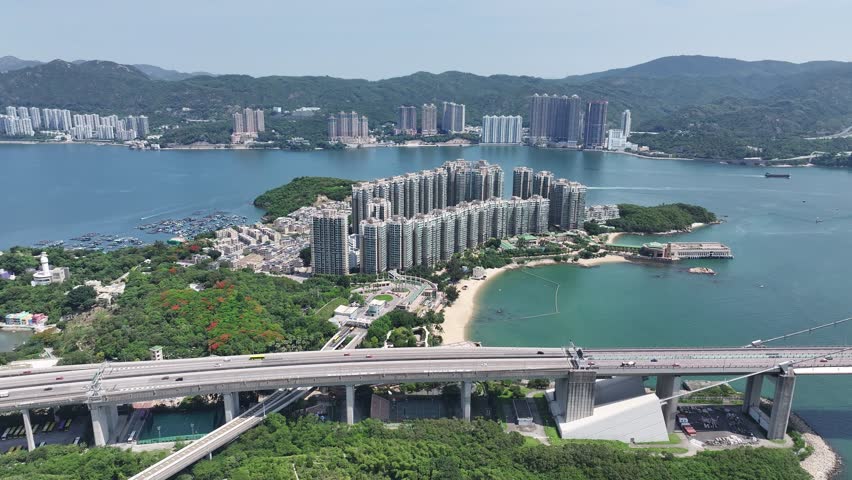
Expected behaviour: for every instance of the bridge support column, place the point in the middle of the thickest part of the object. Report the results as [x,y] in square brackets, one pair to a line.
[350,404]
[232,405]
[466,388]
[100,425]
[751,398]
[782,403]
[559,393]
[112,420]
[668,385]
[28,427]
[575,395]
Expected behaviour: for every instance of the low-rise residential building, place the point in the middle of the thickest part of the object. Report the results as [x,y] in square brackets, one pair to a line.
[601,213]
[252,261]
[616,140]
[106,293]
[26,321]
[275,248]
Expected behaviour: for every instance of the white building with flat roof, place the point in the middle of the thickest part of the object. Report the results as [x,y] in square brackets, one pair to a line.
[375,307]
[601,213]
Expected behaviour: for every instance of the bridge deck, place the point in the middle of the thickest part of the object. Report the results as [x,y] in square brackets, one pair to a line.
[135,381]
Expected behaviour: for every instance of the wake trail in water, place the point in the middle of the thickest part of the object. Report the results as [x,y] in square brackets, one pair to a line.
[663,189]
[158,214]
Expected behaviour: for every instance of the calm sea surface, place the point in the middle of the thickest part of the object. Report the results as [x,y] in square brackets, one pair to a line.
[790,271]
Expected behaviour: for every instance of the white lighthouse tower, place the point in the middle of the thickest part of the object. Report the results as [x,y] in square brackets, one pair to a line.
[42,275]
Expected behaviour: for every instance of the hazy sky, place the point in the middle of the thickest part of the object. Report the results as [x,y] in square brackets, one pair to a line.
[386,38]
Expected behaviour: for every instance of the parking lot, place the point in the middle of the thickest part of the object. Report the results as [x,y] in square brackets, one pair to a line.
[43,433]
[721,426]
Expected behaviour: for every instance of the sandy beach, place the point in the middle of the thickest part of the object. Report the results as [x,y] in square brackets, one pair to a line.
[613,237]
[594,262]
[457,317]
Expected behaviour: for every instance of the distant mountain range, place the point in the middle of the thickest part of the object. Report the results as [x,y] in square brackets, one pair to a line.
[10,63]
[690,100]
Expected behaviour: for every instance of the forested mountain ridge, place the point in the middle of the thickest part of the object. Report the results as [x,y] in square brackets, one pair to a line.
[9,63]
[742,103]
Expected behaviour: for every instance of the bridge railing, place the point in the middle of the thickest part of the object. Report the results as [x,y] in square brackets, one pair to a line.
[176,438]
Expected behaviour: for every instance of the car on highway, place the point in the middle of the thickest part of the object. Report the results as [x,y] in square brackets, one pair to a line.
[179,379]
[539,352]
[60,378]
[369,356]
[165,378]
[347,354]
[676,365]
[47,389]
[26,372]
[628,364]
[4,394]
[654,360]
[823,360]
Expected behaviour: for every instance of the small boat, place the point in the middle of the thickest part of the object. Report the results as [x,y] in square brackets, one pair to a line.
[776,175]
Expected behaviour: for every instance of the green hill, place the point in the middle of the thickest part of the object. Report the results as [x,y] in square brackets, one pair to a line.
[301,192]
[662,218]
[699,106]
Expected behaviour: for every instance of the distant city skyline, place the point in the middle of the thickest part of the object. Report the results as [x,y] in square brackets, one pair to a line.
[302,38]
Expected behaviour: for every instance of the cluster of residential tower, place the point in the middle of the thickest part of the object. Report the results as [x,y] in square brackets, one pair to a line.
[24,121]
[555,121]
[247,124]
[424,218]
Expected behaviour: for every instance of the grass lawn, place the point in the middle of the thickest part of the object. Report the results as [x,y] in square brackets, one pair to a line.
[384,296]
[673,440]
[327,310]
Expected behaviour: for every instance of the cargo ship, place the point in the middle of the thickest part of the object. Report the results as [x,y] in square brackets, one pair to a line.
[776,175]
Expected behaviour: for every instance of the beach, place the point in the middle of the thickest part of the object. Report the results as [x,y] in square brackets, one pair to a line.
[613,237]
[457,316]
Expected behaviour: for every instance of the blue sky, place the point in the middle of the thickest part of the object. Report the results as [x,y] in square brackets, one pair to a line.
[385,38]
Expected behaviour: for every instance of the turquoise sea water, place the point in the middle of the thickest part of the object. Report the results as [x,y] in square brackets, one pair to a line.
[789,271]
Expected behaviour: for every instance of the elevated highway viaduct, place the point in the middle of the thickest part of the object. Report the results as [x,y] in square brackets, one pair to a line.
[105,386]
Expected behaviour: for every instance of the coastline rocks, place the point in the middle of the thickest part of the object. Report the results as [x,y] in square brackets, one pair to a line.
[824,463]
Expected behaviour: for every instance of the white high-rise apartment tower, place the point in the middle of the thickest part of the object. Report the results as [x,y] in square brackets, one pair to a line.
[429,119]
[625,123]
[501,129]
